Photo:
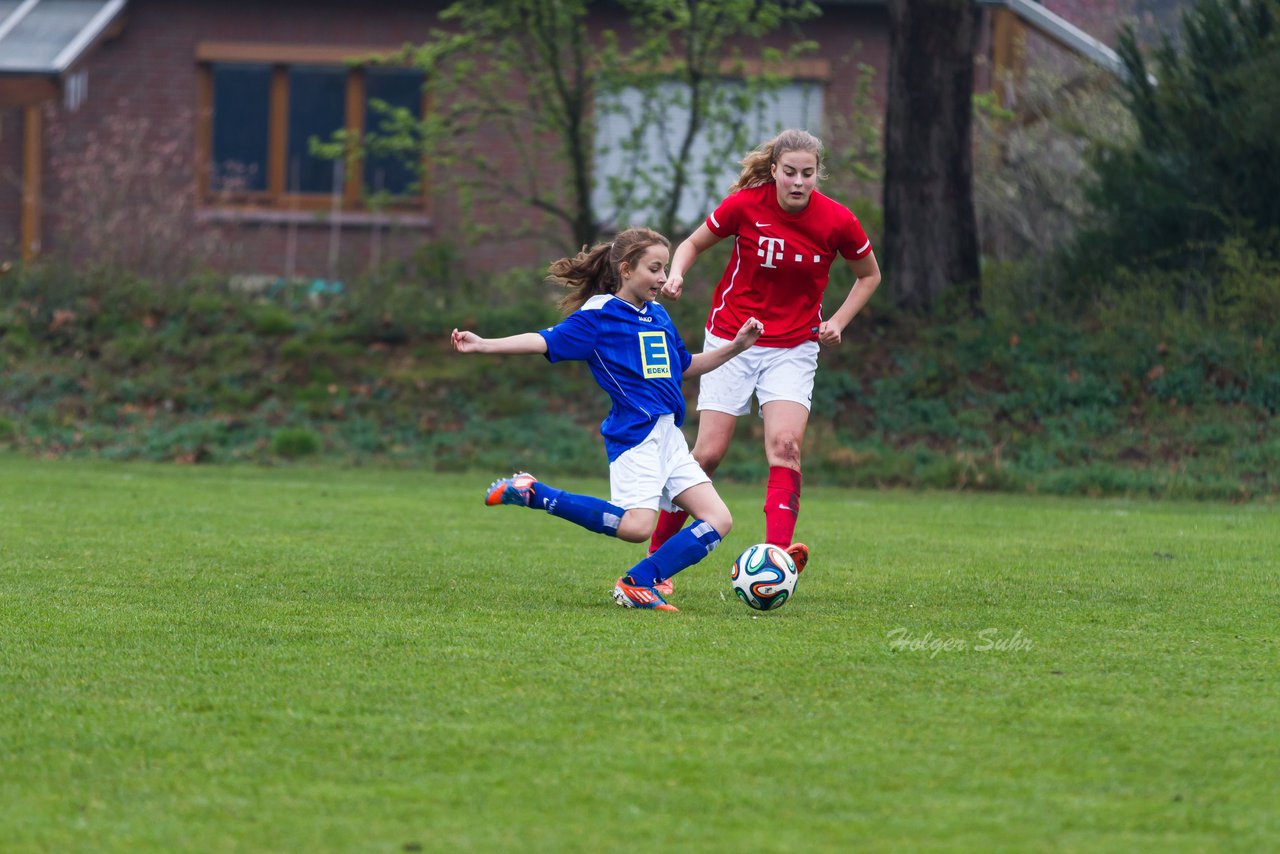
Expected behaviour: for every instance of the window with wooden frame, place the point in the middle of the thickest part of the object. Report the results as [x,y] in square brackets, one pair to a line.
[260,106]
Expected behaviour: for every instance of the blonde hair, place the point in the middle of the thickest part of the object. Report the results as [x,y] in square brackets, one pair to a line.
[595,271]
[756,166]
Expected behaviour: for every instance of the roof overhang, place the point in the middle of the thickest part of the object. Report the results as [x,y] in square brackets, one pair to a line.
[1053,27]
[1064,33]
[48,37]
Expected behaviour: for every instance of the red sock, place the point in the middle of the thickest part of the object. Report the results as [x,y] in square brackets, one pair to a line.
[781,505]
[669,524]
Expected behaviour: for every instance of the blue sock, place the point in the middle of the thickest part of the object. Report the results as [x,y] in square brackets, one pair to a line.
[594,514]
[680,552]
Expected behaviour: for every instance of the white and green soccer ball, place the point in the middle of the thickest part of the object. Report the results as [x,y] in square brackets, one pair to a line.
[764,576]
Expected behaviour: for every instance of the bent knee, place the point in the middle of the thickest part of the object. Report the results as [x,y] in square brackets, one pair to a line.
[722,522]
[636,526]
[709,458]
[634,533]
[785,450]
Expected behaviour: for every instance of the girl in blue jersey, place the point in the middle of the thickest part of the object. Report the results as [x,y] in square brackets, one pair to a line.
[638,358]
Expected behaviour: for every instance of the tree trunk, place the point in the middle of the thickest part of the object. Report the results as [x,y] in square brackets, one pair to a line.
[931,234]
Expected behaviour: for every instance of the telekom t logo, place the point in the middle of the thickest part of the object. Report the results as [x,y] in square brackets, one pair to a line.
[770,249]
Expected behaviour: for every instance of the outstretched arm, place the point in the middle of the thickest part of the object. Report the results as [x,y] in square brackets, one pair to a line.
[868,273]
[525,342]
[711,359]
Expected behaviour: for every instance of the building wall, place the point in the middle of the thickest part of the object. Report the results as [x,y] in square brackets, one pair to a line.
[143,96]
[140,117]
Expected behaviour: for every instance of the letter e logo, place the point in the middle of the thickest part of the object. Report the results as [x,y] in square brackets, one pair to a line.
[655,362]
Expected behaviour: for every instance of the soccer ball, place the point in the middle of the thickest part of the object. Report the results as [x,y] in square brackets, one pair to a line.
[764,576]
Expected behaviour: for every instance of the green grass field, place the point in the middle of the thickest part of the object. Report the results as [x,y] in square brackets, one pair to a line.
[247,659]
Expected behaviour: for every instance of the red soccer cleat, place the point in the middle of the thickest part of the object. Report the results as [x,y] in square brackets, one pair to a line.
[799,555]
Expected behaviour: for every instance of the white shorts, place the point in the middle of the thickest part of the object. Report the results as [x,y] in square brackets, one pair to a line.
[656,470]
[771,373]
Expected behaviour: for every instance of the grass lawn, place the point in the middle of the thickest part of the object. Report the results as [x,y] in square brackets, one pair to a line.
[304,659]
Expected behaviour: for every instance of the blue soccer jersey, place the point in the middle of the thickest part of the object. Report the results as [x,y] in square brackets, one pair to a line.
[636,356]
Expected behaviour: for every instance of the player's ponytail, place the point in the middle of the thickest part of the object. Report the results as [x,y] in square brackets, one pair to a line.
[757,164]
[595,271]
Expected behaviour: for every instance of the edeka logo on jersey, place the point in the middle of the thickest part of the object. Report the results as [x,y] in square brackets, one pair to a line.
[655,363]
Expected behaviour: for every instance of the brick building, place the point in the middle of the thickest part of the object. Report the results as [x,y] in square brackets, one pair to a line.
[156,126]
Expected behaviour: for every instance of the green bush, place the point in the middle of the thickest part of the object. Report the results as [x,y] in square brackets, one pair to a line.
[294,442]
[272,320]
[1248,293]
[1142,396]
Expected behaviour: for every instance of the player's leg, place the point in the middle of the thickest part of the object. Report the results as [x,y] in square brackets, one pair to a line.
[715,431]
[587,511]
[723,395]
[636,482]
[704,503]
[693,493]
[784,426]
[637,524]
[785,392]
[638,586]
[711,522]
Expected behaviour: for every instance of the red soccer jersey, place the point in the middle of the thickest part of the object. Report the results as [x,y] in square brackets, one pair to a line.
[780,263]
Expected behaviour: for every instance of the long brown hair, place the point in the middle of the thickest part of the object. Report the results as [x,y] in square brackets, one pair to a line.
[595,271]
[756,165]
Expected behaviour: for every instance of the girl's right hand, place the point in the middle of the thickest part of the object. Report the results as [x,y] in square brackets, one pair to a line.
[673,286]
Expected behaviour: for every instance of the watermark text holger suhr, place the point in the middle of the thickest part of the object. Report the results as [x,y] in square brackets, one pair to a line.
[903,639]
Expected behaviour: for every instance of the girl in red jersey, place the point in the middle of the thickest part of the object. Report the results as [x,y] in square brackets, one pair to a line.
[786,237]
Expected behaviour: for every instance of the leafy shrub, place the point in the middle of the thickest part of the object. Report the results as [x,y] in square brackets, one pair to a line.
[272,320]
[294,442]
[1144,396]
[1248,293]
